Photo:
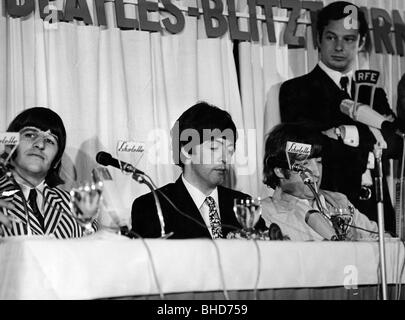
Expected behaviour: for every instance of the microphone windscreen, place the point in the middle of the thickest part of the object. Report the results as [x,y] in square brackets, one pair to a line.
[362,113]
[347,107]
[103,158]
[319,224]
[368,116]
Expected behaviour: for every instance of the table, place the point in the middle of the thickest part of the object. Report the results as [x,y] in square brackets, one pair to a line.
[106,265]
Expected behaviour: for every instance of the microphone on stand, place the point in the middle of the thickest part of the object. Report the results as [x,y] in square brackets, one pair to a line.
[363,113]
[300,168]
[106,159]
[366,78]
[320,225]
[305,173]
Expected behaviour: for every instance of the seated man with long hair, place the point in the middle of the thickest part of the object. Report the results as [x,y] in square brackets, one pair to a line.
[297,196]
[31,203]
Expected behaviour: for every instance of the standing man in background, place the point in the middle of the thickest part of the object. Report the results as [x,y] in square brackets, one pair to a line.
[315,99]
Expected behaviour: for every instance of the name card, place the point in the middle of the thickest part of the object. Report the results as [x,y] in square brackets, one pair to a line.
[299,148]
[297,151]
[10,138]
[130,146]
[130,151]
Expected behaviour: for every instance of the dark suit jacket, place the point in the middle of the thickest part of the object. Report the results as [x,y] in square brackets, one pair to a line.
[145,221]
[315,99]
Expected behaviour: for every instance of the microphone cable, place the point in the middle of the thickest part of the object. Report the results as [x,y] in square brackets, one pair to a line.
[321,209]
[398,285]
[152,264]
[379,281]
[132,234]
[217,249]
[185,214]
[317,199]
[259,263]
[221,270]
[362,229]
[400,220]
[196,221]
[401,194]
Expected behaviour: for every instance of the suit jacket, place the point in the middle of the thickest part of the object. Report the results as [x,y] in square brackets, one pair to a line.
[145,221]
[59,222]
[315,99]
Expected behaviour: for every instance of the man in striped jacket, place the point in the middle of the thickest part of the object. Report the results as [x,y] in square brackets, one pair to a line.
[31,203]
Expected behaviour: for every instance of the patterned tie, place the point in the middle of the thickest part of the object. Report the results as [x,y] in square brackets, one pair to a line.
[215,222]
[32,200]
[344,81]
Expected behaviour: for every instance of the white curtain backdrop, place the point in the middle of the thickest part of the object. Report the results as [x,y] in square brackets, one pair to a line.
[109,84]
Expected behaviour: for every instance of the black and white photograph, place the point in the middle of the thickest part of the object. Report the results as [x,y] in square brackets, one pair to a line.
[195,157]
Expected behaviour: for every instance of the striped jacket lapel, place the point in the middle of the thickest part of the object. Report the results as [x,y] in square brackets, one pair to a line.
[11,193]
[53,209]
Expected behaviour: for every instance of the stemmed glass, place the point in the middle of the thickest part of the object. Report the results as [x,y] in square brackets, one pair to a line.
[85,204]
[247,212]
[342,219]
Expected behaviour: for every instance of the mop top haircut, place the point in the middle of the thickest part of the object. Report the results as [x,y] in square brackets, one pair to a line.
[275,146]
[201,122]
[44,119]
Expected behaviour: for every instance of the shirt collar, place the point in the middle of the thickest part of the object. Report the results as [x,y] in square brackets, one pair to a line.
[290,201]
[336,75]
[25,188]
[198,196]
[286,198]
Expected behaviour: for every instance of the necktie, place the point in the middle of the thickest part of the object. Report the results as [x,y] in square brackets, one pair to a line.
[215,222]
[32,200]
[344,81]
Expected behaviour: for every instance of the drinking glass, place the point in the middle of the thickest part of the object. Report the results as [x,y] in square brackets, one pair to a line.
[247,212]
[342,218]
[85,204]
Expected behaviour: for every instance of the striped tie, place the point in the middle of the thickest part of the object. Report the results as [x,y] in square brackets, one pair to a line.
[215,222]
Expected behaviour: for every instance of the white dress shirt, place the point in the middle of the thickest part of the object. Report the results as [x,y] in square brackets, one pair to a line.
[336,76]
[199,200]
[289,213]
[25,188]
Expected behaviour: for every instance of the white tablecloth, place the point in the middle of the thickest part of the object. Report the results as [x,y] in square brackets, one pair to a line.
[108,265]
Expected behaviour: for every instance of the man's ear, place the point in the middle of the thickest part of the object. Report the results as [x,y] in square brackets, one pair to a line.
[185,156]
[279,173]
[318,42]
[362,43]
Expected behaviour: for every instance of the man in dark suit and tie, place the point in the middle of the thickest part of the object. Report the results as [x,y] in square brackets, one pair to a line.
[315,99]
[203,142]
